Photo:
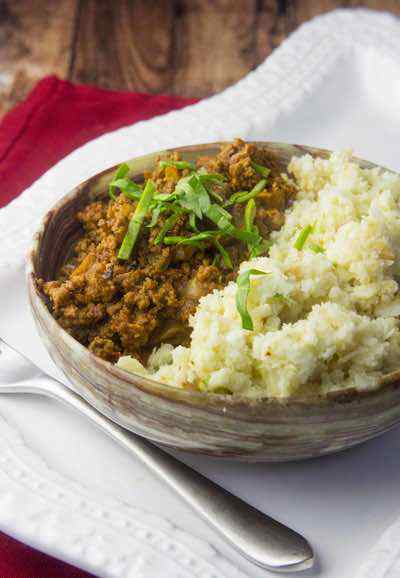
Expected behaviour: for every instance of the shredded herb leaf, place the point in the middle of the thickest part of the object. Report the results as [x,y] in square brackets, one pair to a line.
[219,216]
[224,254]
[242,293]
[249,237]
[193,240]
[129,188]
[302,237]
[260,248]
[243,196]
[192,222]
[180,165]
[120,173]
[215,195]
[284,298]
[163,197]
[156,212]
[216,259]
[218,390]
[263,171]
[208,179]
[192,195]
[136,221]
[249,214]
[167,226]
[215,178]
[259,245]
[222,219]
[316,248]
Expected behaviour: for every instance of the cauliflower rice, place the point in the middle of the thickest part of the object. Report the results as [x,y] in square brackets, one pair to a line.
[325,317]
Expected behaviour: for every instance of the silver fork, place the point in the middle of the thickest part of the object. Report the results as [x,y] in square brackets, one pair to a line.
[259,538]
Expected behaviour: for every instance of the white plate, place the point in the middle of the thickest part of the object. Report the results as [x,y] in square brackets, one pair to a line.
[67,489]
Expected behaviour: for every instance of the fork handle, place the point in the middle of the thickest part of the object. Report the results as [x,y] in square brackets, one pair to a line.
[259,538]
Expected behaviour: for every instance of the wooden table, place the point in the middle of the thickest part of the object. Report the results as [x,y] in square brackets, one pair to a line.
[186,47]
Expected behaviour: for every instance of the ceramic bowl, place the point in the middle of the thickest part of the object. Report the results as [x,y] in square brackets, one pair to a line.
[217,425]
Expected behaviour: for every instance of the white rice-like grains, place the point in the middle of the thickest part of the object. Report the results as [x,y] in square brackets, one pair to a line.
[322,321]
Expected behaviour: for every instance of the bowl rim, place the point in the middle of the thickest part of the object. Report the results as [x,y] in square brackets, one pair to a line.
[172,393]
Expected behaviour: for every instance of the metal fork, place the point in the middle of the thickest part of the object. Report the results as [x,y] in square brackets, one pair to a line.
[259,538]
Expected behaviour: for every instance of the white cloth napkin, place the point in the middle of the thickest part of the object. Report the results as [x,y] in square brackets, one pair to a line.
[334,83]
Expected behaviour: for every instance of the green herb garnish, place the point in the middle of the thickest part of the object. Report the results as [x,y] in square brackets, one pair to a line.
[222,219]
[129,188]
[192,195]
[165,197]
[249,214]
[119,174]
[218,390]
[249,237]
[243,196]
[216,195]
[263,171]
[181,165]
[256,247]
[219,216]
[192,222]
[155,214]
[167,226]
[216,259]
[284,298]
[242,293]
[260,248]
[193,240]
[224,254]
[212,179]
[206,177]
[136,221]
[302,237]
[316,248]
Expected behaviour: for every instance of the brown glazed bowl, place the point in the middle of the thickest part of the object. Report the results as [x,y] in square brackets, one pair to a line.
[217,425]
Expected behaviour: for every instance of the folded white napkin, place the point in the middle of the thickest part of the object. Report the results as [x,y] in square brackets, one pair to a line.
[333,83]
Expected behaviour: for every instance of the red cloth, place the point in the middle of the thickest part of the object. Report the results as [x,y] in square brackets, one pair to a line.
[20,561]
[56,118]
[59,116]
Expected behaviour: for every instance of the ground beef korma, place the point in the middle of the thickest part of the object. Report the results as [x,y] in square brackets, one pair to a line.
[129,306]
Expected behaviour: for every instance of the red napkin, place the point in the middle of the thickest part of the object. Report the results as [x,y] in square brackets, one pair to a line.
[59,116]
[56,118]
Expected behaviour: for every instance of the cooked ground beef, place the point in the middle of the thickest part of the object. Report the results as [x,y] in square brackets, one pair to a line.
[117,307]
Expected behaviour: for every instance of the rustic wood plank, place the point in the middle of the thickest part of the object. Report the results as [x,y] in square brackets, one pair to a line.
[124,44]
[278,18]
[272,27]
[188,47]
[299,11]
[35,38]
[382,5]
[303,10]
[215,45]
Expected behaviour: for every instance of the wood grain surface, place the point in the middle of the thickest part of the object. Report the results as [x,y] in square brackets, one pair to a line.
[186,47]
